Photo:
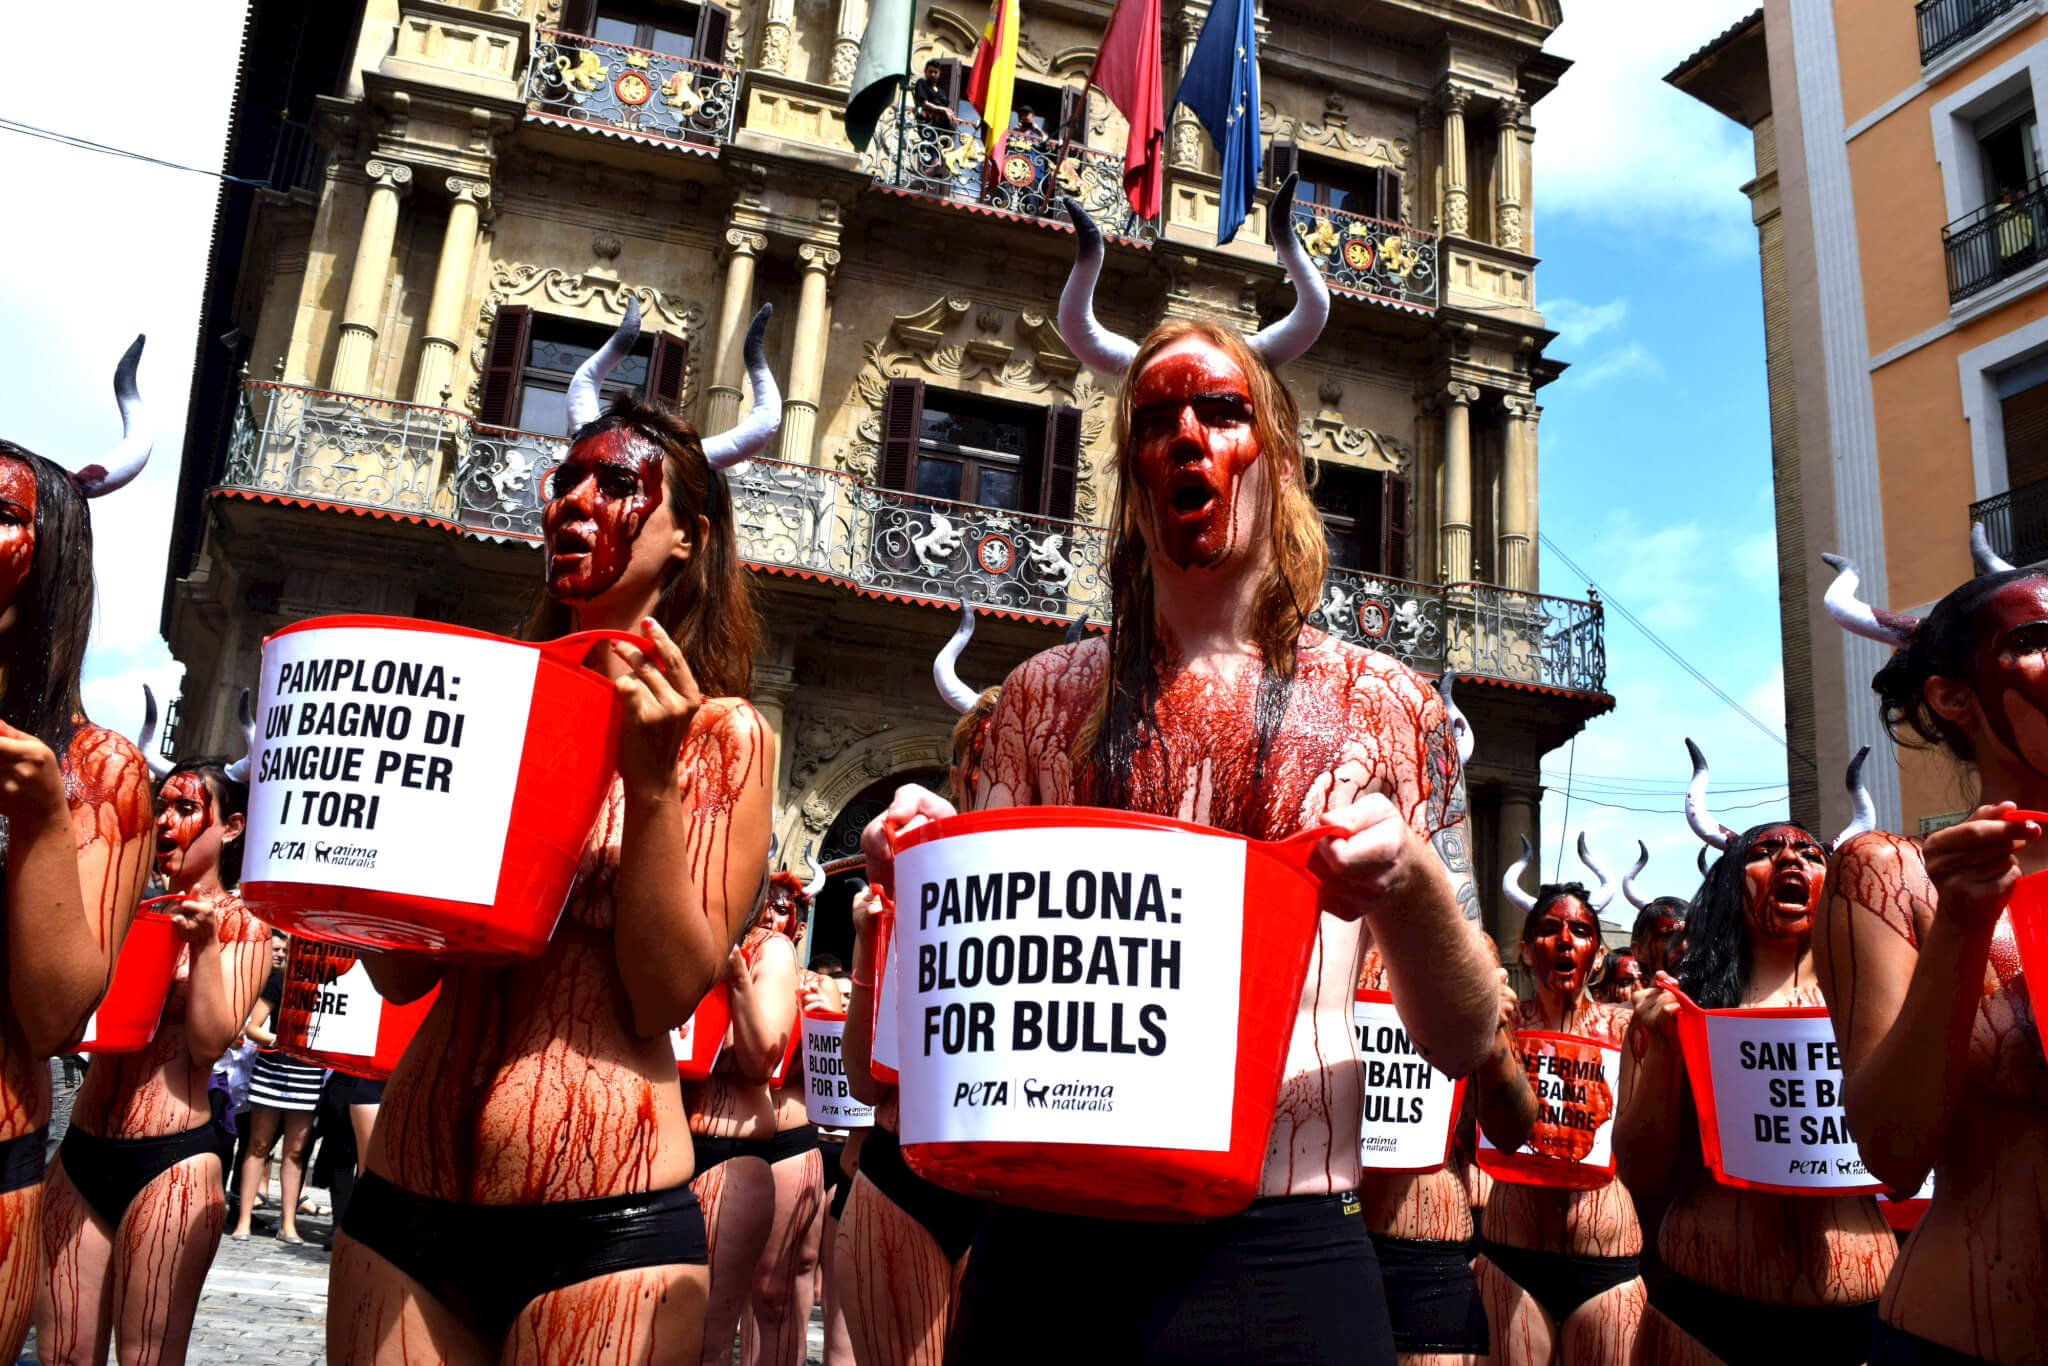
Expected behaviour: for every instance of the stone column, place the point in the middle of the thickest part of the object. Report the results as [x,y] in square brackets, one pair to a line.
[1455,562]
[364,307]
[778,22]
[451,291]
[807,355]
[722,402]
[1517,557]
[1518,821]
[1184,137]
[774,688]
[853,17]
[1457,200]
[1507,176]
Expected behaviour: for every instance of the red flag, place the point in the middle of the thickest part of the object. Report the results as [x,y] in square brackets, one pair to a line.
[1127,73]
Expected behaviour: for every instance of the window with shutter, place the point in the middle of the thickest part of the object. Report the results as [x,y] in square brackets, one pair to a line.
[1394,519]
[1352,503]
[1387,196]
[713,23]
[1073,124]
[665,368]
[902,417]
[1062,462]
[577,15]
[1283,159]
[504,366]
[953,76]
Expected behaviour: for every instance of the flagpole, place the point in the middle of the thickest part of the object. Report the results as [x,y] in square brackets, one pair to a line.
[909,59]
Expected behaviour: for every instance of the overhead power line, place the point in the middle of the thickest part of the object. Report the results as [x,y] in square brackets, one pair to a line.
[88,145]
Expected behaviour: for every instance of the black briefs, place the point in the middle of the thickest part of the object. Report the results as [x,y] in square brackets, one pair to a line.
[485,1263]
[712,1151]
[838,1180]
[1432,1296]
[790,1143]
[950,1217]
[1737,1329]
[1559,1281]
[108,1173]
[1291,1280]
[21,1160]
[352,1090]
[1895,1347]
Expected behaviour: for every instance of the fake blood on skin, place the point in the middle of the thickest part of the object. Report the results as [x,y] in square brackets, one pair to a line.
[1196,443]
[603,495]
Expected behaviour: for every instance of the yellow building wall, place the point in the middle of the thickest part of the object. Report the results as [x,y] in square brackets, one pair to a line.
[1879,46]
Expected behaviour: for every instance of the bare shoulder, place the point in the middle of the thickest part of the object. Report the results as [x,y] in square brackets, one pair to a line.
[103,767]
[1063,673]
[1883,875]
[1376,683]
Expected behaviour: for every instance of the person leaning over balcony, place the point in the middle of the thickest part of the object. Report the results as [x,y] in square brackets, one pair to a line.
[526,1193]
[1941,1049]
[1212,700]
[78,834]
[935,118]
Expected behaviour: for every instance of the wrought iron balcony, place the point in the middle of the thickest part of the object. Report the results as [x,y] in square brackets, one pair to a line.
[293,442]
[1944,24]
[1371,257]
[1997,241]
[947,160]
[2016,522]
[630,92]
[1469,628]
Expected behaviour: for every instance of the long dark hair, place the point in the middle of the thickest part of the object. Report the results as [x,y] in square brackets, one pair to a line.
[706,603]
[1548,895]
[45,651]
[1714,969]
[1666,907]
[230,798]
[1944,646]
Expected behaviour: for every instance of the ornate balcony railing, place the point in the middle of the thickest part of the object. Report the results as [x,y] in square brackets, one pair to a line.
[947,160]
[1404,619]
[1469,628]
[1370,256]
[1997,241]
[1944,24]
[344,448]
[629,91]
[2016,522]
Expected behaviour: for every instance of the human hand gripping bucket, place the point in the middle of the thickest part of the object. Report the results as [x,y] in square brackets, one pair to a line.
[425,787]
[143,972]
[1578,1091]
[333,1015]
[1093,1007]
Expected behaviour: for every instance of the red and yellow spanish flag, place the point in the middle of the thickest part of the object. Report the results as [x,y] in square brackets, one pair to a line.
[995,77]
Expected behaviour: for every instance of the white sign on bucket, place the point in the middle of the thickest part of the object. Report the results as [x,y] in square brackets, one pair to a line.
[1777,1120]
[386,760]
[1075,986]
[1409,1105]
[342,1016]
[828,1100]
[882,1049]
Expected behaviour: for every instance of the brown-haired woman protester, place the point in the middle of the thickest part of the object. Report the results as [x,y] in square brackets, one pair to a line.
[1560,1267]
[1941,1051]
[526,1194]
[1212,700]
[76,801]
[133,1209]
[1749,1274]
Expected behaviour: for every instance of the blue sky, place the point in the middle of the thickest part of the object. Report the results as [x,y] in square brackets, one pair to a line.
[1655,448]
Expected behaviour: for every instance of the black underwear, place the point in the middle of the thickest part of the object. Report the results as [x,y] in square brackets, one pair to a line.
[352,1090]
[712,1151]
[950,1217]
[1431,1296]
[1559,1281]
[21,1160]
[1895,1347]
[1737,1329]
[108,1173]
[1290,1280]
[838,1181]
[485,1263]
[790,1143]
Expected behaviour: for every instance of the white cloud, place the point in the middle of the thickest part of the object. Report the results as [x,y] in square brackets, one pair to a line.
[1631,360]
[1616,144]
[1578,323]
[1755,560]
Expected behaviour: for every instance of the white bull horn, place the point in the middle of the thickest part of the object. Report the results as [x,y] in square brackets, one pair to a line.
[1604,893]
[1858,617]
[146,740]
[958,695]
[1297,332]
[1096,346]
[816,886]
[1461,729]
[1628,879]
[127,459]
[1715,834]
[1862,810]
[1987,560]
[764,414]
[239,769]
[584,404]
[1511,885]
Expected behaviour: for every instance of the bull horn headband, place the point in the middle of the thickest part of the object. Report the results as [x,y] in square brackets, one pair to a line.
[1461,729]
[126,460]
[1858,617]
[1511,885]
[1628,879]
[1987,560]
[958,695]
[816,886]
[146,740]
[239,769]
[1111,353]
[1077,629]
[1714,834]
[1862,810]
[742,443]
[1605,892]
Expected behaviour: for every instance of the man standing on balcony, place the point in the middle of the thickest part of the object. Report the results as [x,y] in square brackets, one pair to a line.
[1213,701]
[935,118]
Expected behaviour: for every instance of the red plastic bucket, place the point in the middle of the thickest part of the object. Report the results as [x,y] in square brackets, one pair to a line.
[426,787]
[333,1016]
[882,1041]
[828,1100]
[699,1039]
[1578,1089]
[1094,1007]
[143,972]
[1410,1115]
[2027,915]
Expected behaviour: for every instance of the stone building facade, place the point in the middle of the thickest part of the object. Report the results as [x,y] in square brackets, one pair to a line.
[461,198]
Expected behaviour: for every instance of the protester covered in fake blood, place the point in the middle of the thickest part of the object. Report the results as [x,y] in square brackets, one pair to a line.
[1560,1268]
[76,804]
[135,1203]
[1210,700]
[1748,1274]
[1941,1049]
[1660,922]
[526,1193]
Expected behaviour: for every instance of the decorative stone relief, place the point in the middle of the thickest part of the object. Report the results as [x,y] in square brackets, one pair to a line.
[820,737]
[588,296]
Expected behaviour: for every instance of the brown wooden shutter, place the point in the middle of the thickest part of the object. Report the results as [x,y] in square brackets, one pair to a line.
[713,23]
[2026,436]
[1062,461]
[665,367]
[1283,159]
[1394,526]
[902,417]
[578,16]
[1073,124]
[951,79]
[497,402]
[1387,196]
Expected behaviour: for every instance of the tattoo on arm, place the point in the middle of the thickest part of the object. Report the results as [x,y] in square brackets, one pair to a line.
[1449,844]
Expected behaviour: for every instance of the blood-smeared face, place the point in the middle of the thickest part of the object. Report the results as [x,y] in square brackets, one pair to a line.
[1782,875]
[1627,976]
[601,498]
[2012,668]
[1563,945]
[1654,949]
[1198,474]
[187,838]
[17,527]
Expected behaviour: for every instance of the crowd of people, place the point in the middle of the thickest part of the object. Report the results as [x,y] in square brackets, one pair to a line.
[535,1183]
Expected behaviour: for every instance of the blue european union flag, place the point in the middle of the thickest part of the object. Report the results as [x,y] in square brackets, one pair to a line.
[1221,88]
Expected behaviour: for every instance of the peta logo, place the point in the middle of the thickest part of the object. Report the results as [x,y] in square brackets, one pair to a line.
[981,1094]
[287,848]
